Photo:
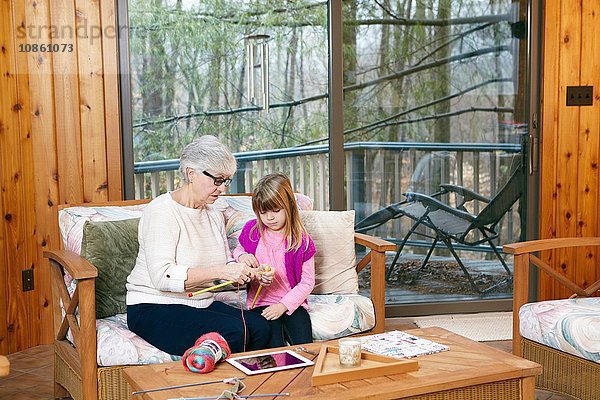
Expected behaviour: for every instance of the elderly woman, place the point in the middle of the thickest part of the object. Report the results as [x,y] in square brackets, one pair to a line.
[183,248]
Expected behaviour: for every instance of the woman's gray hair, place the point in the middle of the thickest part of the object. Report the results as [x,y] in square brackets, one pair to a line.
[207,153]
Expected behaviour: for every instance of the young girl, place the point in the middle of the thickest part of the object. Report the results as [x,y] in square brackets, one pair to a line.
[278,239]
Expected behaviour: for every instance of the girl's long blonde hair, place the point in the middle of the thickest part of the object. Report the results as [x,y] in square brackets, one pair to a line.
[274,192]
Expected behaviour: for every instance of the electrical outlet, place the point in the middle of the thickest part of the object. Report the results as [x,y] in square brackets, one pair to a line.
[580,95]
[27,277]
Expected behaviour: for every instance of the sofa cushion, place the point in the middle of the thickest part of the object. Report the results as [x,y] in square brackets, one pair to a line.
[335,260]
[117,345]
[332,232]
[112,247]
[72,219]
[571,325]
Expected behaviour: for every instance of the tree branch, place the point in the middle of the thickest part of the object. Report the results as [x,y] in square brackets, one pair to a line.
[433,22]
[228,111]
[427,118]
[397,75]
[431,103]
[458,57]
[363,22]
[452,114]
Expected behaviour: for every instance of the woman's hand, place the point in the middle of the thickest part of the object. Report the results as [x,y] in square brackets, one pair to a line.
[274,311]
[249,260]
[239,273]
[265,275]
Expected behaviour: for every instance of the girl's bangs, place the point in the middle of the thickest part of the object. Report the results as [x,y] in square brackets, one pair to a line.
[268,203]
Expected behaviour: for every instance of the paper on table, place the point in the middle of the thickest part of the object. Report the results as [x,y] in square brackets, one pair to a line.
[400,345]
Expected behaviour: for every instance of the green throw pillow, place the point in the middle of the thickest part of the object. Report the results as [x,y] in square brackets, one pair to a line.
[112,247]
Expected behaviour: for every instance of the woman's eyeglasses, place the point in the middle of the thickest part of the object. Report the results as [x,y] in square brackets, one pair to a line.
[218,181]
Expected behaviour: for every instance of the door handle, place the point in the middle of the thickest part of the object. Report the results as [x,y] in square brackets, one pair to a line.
[533,146]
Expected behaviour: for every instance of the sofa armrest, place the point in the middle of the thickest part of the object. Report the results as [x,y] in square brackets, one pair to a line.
[373,242]
[549,244]
[376,257]
[522,263]
[77,266]
[79,313]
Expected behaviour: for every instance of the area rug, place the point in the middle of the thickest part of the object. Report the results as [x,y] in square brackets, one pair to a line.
[482,327]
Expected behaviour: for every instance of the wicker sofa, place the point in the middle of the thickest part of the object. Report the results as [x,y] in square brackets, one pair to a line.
[77,372]
[561,335]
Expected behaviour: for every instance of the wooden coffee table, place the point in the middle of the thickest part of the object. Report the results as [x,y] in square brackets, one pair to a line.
[469,370]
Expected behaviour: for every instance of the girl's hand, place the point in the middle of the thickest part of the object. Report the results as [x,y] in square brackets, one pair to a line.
[274,311]
[265,275]
[249,260]
[239,273]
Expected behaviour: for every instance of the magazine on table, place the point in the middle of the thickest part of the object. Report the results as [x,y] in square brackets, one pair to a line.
[400,345]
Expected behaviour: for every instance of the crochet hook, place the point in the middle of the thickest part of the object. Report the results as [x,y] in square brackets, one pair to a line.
[220,285]
[267,269]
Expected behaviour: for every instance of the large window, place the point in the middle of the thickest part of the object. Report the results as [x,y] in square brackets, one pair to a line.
[252,73]
[434,92]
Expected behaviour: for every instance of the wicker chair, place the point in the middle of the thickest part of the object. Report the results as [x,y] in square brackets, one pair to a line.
[76,372]
[562,372]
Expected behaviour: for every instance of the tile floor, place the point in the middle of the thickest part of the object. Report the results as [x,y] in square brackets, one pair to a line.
[31,370]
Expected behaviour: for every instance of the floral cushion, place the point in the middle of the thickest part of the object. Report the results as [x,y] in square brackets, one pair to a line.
[572,325]
[71,221]
[117,345]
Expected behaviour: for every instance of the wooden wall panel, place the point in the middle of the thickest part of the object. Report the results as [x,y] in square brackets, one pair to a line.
[589,143]
[3,277]
[66,100]
[567,141]
[91,91]
[12,187]
[569,193]
[27,174]
[110,59]
[57,116]
[548,149]
[44,148]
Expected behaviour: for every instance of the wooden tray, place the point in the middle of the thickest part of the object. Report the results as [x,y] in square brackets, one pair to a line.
[328,369]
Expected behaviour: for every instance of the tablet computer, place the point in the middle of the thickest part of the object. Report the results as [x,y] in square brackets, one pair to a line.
[269,362]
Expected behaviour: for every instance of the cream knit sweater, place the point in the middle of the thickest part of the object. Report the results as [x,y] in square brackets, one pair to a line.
[172,239]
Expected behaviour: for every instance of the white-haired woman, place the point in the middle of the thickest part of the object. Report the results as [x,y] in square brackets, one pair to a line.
[183,248]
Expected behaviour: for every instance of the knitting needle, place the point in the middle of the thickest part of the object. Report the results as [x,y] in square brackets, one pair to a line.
[267,269]
[220,285]
[239,396]
[228,380]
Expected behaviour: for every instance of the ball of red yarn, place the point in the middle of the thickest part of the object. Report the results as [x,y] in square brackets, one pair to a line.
[208,350]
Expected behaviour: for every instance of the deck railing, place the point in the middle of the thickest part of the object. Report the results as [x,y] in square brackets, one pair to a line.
[377,173]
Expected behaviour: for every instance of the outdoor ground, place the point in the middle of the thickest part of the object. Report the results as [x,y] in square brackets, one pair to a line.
[442,276]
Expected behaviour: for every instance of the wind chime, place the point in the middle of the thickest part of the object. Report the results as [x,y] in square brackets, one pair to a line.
[257,63]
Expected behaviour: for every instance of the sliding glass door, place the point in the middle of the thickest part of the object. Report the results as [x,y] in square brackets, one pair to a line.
[435,92]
